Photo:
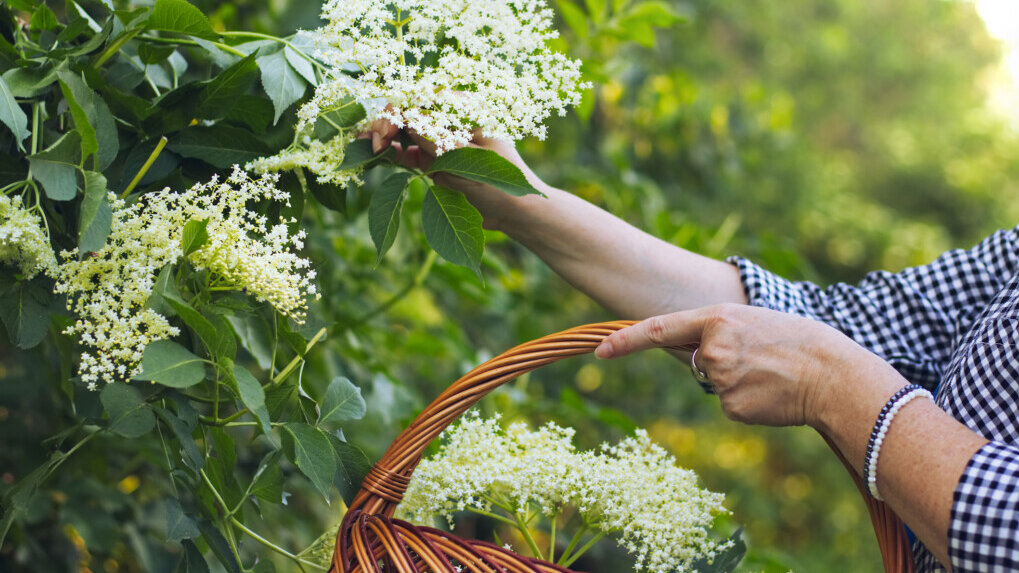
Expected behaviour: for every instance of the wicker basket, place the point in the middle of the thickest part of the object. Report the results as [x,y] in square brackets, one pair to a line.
[370,540]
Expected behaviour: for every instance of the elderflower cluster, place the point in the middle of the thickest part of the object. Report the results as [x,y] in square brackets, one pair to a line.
[633,489]
[320,157]
[23,241]
[446,68]
[108,289]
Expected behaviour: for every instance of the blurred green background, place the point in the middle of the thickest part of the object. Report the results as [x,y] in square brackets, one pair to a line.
[821,138]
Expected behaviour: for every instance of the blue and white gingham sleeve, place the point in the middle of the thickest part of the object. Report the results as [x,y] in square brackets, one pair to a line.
[912,319]
[983,534]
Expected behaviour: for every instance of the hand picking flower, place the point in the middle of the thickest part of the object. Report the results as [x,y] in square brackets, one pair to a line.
[446,68]
[632,489]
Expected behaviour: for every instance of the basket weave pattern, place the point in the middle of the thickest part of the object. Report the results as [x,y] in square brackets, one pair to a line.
[370,540]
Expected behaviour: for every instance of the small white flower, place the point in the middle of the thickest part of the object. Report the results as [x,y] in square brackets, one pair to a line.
[108,290]
[447,68]
[23,241]
[633,488]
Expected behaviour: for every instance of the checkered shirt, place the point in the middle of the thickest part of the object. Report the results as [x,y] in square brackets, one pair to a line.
[953,327]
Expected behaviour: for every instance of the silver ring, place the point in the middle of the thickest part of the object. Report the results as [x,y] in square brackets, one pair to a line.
[698,374]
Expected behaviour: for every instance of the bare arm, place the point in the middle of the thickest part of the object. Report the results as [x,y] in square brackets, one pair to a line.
[628,271]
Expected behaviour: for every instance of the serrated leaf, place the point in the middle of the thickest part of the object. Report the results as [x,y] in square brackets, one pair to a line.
[359,154]
[313,455]
[95,216]
[384,211]
[179,526]
[171,364]
[342,402]
[252,396]
[453,227]
[89,143]
[164,288]
[281,82]
[351,467]
[25,314]
[301,65]
[130,416]
[268,482]
[221,92]
[219,545]
[181,17]
[194,236]
[484,166]
[254,111]
[29,82]
[55,167]
[220,145]
[12,115]
[193,457]
[191,560]
[329,195]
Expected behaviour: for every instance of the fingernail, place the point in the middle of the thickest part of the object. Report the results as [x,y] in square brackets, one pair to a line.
[604,350]
[376,142]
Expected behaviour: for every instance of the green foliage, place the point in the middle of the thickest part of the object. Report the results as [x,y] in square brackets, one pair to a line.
[821,138]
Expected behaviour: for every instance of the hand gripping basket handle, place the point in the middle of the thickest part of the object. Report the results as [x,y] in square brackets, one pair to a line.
[384,486]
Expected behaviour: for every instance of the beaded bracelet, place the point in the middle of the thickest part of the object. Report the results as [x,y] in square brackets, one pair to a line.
[877,436]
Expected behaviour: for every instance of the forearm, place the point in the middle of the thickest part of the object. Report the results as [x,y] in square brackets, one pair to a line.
[630,272]
[923,455]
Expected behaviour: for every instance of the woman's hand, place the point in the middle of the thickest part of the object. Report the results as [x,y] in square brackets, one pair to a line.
[768,367]
[490,201]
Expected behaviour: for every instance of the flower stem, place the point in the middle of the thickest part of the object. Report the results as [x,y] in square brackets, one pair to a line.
[573,543]
[583,549]
[494,516]
[145,167]
[522,526]
[293,364]
[551,542]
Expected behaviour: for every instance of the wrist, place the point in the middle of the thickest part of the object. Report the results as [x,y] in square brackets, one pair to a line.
[858,385]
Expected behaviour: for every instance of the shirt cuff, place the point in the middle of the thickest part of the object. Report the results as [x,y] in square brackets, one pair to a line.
[766,289]
[983,534]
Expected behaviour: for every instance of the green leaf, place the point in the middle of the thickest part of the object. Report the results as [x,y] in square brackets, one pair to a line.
[130,416]
[89,143]
[484,166]
[268,482]
[43,19]
[181,17]
[179,526]
[193,457]
[252,396]
[220,145]
[219,545]
[164,288]
[191,560]
[92,118]
[329,195]
[313,454]
[12,115]
[301,65]
[281,82]
[29,82]
[171,364]
[342,402]
[55,167]
[256,337]
[95,215]
[254,111]
[574,17]
[25,314]
[453,227]
[194,319]
[220,94]
[384,211]
[152,54]
[352,465]
[194,236]
[359,154]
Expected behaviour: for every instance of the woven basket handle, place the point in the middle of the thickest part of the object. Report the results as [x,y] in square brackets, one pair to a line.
[384,486]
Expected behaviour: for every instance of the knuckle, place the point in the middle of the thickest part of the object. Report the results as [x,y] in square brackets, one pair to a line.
[656,330]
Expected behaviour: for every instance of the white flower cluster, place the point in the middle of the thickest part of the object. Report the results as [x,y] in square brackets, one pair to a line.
[321,158]
[445,68]
[23,241]
[633,489]
[108,290]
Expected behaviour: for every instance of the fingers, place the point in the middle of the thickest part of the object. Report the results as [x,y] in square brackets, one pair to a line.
[382,133]
[668,330]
